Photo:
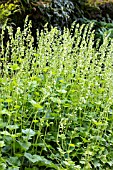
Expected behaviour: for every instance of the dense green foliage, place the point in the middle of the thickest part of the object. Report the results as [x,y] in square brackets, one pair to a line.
[56,103]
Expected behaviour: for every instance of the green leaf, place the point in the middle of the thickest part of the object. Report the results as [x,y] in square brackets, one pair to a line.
[6,133]
[110,163]
[12,127]
[2,144]
[14,161]
[9,100]
[104,159]
[55,100]
[62,91]
[40,160]
[35,104]
[33,158]
[96,164]
[24,145]
[2,124]
[3,166]
[15,67]
[28,132]
[6,112]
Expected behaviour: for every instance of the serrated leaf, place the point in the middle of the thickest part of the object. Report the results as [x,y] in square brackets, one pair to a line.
[28,132]
[24,145]
[33,158]
[43,161]
[14,161]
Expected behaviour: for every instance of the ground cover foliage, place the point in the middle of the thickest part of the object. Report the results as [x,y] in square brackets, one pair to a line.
[56,102]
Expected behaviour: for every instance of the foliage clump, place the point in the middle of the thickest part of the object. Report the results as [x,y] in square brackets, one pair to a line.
[56,103]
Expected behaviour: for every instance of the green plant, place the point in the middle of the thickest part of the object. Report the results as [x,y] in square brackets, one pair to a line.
[6,9]
[56,108]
